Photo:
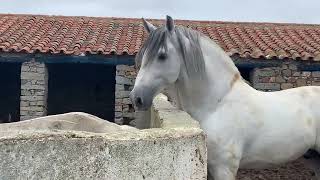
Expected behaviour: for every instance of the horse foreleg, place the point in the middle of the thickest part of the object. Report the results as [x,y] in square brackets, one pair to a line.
[223,168]
[221,172]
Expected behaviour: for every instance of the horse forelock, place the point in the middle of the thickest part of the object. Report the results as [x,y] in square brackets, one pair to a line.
[151,46]
[187,42]
[190,48]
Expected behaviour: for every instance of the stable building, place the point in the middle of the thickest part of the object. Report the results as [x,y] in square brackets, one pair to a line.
[55,64]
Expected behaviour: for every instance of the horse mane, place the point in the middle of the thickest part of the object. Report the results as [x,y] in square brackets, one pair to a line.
[187,42]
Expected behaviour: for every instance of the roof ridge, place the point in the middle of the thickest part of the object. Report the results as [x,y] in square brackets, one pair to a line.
[162,20]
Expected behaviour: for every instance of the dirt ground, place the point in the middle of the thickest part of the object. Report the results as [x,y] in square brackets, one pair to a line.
[291,171]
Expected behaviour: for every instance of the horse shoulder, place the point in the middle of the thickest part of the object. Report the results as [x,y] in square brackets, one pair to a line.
[229,122]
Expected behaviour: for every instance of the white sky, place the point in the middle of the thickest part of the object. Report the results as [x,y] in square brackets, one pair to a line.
[292,11]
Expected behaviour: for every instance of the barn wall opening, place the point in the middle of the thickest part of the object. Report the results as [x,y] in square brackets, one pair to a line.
[81,87]
[10,92]
[246,73]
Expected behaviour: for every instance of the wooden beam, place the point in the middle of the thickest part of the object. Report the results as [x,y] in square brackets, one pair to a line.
[49,58]
[129,60]
[256,63]
[262,63]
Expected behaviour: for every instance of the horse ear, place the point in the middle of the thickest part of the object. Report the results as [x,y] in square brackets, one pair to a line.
[170,23]
[148,26]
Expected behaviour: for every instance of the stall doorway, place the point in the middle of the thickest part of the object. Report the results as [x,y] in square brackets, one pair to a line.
[10,92]
[79,87]
[246,73]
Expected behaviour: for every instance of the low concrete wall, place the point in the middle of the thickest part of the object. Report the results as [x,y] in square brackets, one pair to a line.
[170,151]
[164,115]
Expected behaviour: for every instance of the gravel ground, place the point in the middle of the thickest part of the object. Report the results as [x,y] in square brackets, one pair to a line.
[291,171]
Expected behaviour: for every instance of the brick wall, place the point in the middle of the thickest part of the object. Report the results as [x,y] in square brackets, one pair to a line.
[283,77]
[34,85]
[124,111]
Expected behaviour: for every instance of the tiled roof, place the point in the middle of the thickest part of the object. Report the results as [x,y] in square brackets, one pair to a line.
[92,35]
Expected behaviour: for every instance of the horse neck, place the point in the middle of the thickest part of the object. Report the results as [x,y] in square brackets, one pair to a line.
[201,97]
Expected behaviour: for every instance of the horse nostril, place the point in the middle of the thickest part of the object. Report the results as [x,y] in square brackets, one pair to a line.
[139,101]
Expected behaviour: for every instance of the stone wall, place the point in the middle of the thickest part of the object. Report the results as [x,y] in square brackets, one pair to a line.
[124,111]
[34,85]
[283,77]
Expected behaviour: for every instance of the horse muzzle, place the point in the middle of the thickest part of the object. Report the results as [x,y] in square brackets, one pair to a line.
[141,100]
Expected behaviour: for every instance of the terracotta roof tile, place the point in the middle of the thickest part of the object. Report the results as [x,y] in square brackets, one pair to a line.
[92,35]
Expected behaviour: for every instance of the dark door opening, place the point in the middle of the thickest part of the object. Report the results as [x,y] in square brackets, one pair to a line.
[86,88]
[10,92]
[246,73]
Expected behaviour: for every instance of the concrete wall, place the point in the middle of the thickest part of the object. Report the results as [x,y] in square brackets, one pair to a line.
[34,90]
[171,151]
[165,115]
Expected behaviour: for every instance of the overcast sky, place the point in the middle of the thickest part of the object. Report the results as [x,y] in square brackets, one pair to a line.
[292,11]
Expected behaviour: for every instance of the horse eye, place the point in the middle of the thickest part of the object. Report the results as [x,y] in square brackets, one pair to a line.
[162,56]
